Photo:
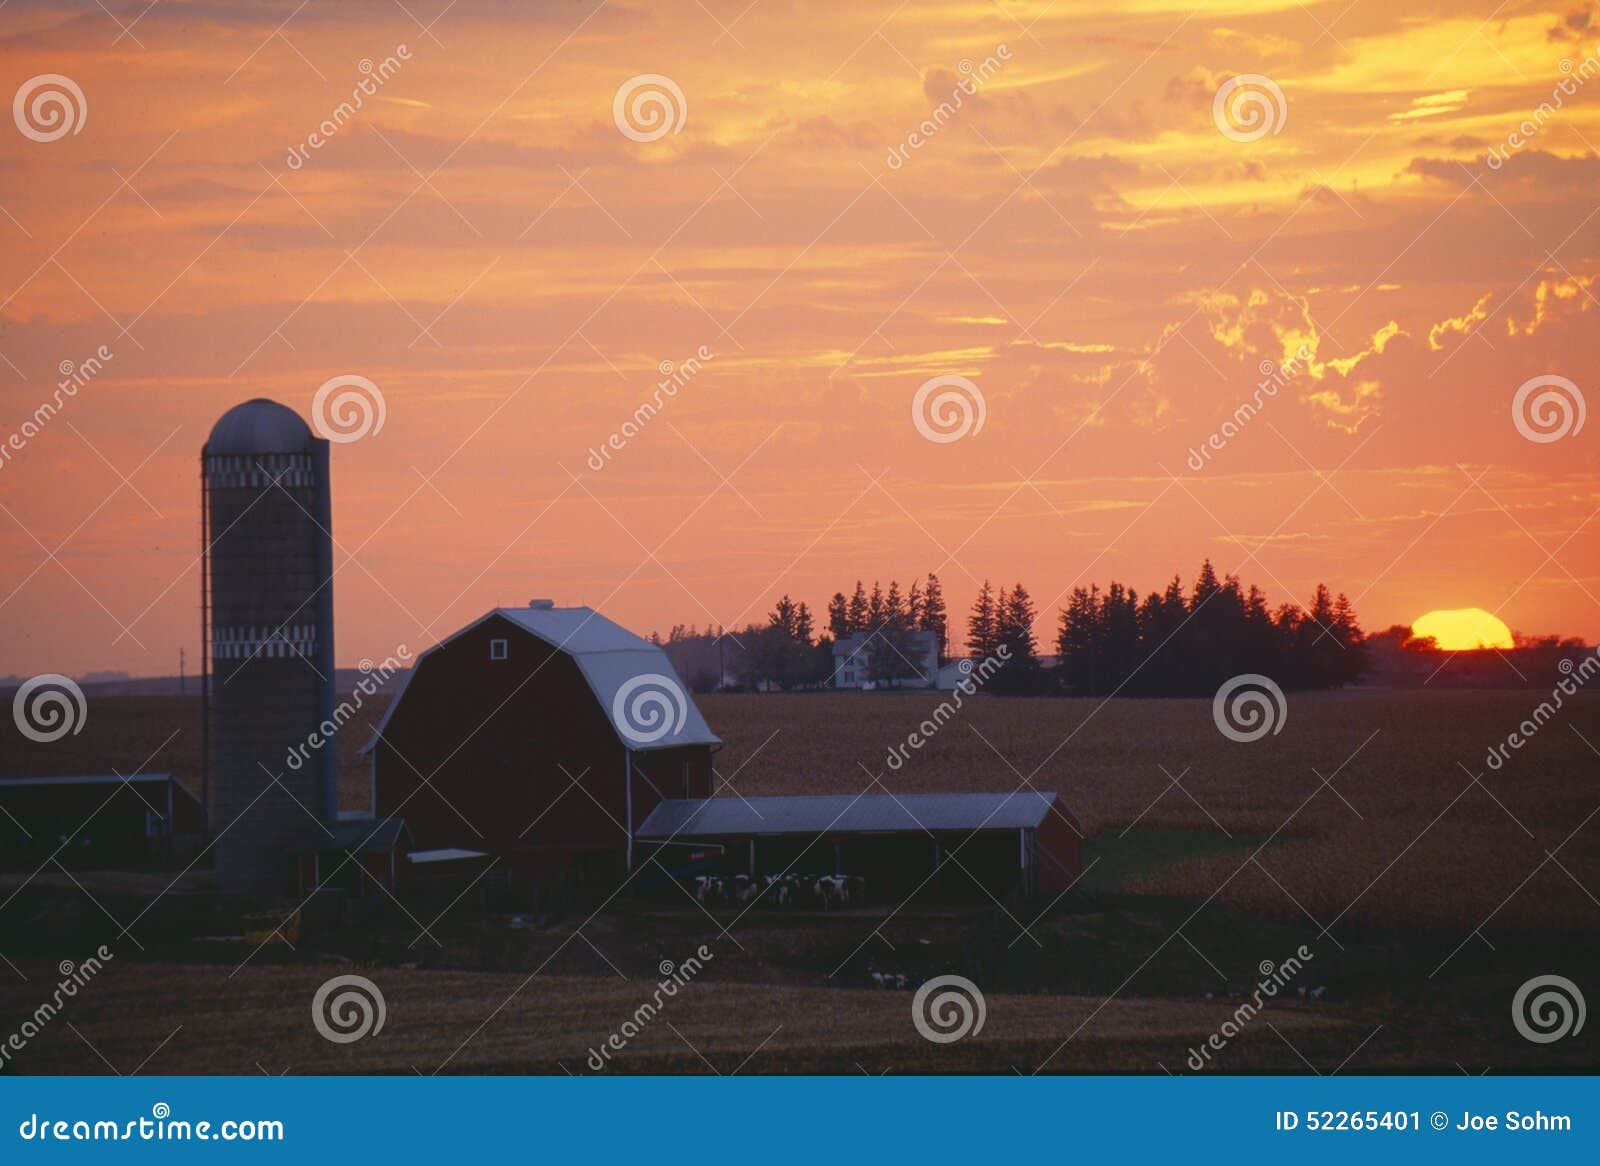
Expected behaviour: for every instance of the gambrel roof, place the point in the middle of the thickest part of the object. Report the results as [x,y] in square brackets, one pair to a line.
[622,670]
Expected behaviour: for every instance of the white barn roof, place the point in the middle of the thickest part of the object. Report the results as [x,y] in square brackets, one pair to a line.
[623,670]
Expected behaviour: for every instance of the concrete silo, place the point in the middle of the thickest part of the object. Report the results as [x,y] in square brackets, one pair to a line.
[267,598]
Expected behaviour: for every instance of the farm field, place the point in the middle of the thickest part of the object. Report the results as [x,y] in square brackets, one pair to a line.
[1400,769]
[1369,830]
[1355,781]
[258,1021]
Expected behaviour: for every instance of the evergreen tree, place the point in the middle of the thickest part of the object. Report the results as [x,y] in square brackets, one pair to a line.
[1260,643]
[1014,632]
[1320,648]
[1077,642]
[838,616]
[1015,628]
[894,604]
[1347,630]
[779,655]
[981,624]
[933,617]
[859,610]
[821,671]
[1175,643]
[1288,623]
[1120,634]
[1161,648]
[1205,585]
[891,656]
[785,617]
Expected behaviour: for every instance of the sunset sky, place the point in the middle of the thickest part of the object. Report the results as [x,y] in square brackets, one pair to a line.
[1080,240]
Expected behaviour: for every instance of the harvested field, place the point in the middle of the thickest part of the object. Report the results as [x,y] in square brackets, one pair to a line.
[259,1020]
[1427,887]
[1400,789]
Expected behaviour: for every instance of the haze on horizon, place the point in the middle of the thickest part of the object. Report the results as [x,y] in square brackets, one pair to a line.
[1078,240]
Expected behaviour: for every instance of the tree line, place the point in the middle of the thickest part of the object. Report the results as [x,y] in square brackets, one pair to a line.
[790,652]
[1171,642]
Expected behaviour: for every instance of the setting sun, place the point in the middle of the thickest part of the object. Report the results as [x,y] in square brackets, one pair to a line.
[1463,629]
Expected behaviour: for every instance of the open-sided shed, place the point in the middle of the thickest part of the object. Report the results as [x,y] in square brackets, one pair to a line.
[97,818]
[947,843]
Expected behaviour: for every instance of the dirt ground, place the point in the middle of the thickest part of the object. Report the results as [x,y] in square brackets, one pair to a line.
[1425,887]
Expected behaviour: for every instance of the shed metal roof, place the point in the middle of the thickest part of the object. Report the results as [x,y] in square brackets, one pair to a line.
[624,671]
[868,814]
[89,779]
[447,854]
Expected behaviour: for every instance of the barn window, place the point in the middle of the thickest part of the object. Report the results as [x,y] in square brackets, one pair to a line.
[497,649]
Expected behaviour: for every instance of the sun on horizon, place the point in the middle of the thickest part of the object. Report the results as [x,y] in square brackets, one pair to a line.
[1463,629]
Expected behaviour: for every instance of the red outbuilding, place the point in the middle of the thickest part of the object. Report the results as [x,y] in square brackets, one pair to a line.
[544,735]
[558,747]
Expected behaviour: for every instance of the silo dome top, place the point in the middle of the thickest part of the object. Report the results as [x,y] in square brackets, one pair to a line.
[259,426]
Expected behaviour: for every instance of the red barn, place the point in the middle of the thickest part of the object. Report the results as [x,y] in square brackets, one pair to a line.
[544,734]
